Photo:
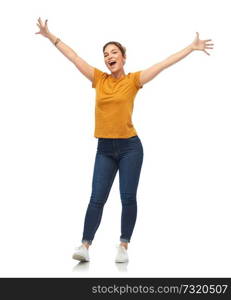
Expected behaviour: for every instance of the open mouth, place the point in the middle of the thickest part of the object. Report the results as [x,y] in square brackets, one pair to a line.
[112,63]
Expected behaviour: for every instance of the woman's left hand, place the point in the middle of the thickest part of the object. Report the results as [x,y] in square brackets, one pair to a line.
[198,44]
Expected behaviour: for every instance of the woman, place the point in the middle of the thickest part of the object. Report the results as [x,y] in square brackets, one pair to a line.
[119,147]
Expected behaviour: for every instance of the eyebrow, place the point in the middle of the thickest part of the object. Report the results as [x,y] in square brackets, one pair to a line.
[111,50]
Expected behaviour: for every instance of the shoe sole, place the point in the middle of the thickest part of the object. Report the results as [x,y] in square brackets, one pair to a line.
[79,257]
[121,261]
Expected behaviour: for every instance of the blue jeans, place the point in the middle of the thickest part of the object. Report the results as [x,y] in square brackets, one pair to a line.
[113,154]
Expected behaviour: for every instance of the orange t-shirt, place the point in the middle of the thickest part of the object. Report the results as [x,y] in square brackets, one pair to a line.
[114,104]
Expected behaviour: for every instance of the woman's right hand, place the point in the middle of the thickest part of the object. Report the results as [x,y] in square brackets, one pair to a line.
[43,28]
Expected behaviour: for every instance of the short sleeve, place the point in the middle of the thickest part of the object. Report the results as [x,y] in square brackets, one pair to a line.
[136,79]
[97,75]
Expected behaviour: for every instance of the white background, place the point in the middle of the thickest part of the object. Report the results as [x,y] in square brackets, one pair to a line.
[47,148]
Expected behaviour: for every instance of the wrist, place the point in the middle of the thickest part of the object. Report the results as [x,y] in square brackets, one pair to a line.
[191,47]
[51,37]
[48,35]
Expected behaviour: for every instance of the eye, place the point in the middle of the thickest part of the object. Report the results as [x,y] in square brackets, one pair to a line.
[112,52]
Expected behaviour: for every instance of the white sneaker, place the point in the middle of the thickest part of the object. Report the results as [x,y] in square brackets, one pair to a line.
[81,253]
[122,254]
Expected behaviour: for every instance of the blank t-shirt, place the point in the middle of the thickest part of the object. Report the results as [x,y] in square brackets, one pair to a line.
[114,104]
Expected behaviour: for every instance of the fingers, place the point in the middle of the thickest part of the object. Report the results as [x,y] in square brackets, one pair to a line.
[206,52]
[40,22]
[207,46]
[41,26]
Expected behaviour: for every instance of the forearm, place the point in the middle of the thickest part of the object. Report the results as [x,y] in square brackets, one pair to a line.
[62,47]
[177,56]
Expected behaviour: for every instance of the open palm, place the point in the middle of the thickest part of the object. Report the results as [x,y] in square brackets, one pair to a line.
[198,44]
[43,28]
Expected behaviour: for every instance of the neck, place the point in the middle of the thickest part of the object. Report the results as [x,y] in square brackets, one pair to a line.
[118,74]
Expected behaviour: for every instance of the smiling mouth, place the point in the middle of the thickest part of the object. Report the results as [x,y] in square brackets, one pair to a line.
[112,64]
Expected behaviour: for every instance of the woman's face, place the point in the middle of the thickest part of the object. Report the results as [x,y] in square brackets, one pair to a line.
[113,53]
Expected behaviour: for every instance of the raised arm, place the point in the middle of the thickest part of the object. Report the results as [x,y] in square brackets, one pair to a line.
[86,69]
[148,74]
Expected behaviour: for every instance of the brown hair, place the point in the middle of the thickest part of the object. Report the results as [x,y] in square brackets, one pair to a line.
[122,48]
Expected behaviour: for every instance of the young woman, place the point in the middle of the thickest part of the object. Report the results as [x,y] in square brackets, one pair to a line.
[119,147]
